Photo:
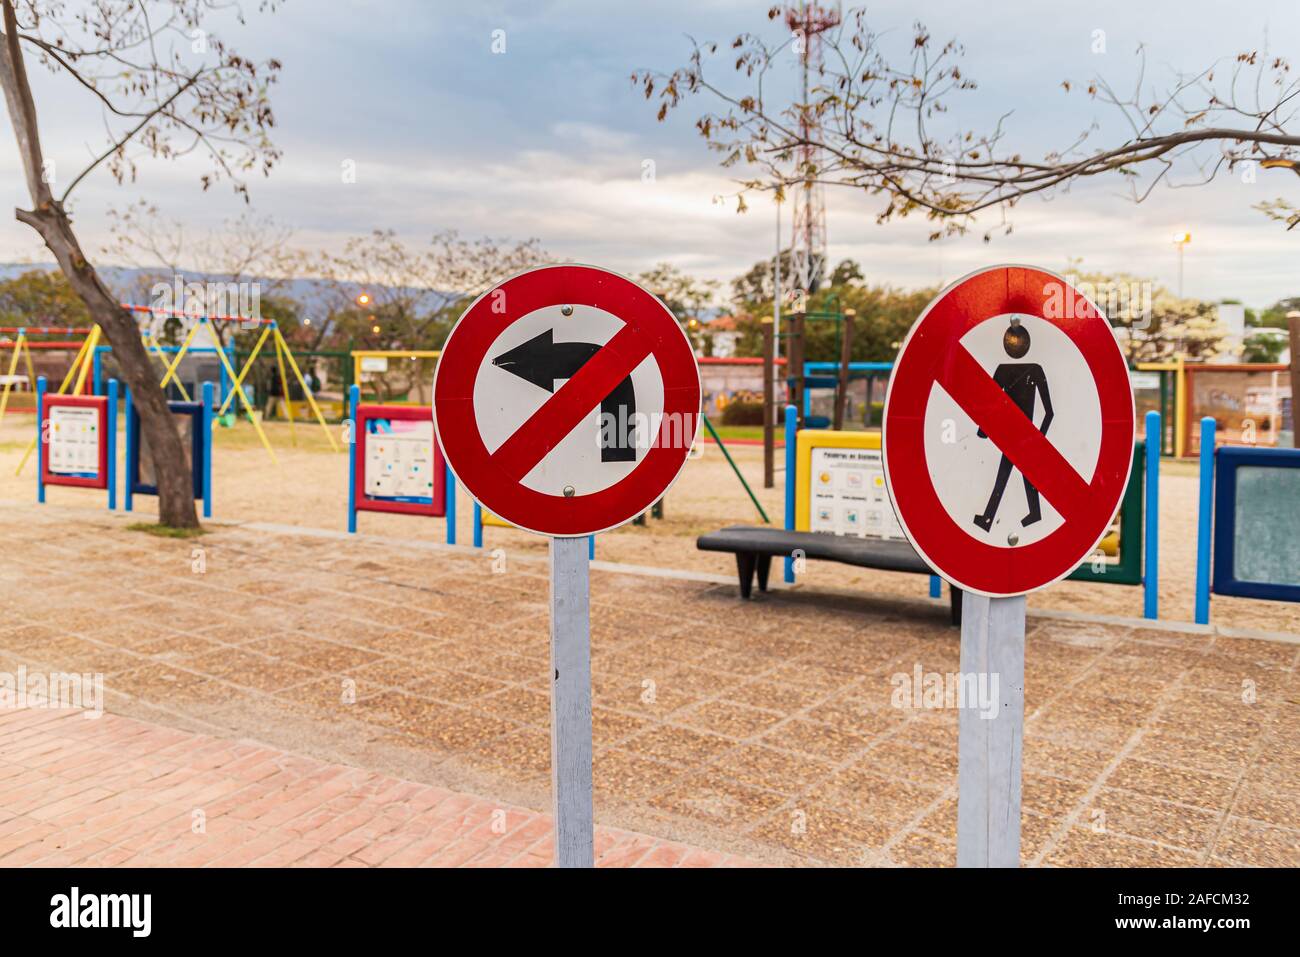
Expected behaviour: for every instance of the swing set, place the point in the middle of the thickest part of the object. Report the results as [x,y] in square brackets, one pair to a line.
[89,351]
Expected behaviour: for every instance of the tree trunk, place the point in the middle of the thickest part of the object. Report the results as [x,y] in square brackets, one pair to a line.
[157,424]
[48,217]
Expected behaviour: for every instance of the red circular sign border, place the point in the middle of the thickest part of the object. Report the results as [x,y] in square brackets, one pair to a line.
[453,390]
[943,544]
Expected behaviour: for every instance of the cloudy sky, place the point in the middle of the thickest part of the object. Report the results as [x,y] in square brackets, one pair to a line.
[549,139]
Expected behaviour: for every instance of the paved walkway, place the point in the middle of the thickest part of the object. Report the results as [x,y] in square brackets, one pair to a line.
[106,791]
[768,729]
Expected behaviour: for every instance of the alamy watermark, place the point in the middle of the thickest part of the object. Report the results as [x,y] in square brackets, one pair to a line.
[935,690]
[640,430]
[1127,302]
[196,299]
[58,690]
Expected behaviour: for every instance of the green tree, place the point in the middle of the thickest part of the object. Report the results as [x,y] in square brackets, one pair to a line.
[1263,348]
[1275,315]
[41,297]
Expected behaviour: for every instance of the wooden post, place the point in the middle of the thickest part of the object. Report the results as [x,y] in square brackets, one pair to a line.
[794,363]
[769,403]
[571,702]
[1293,324]
[846,350]
[990,731]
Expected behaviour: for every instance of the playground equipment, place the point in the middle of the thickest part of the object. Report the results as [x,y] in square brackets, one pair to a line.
[194,420]
[1251,402]
[21,348]
[164,352]
[79,368]
[1248,530]
[284,355]
[837,509]
[76,439]
[797,377]
[379,361]
[396,465]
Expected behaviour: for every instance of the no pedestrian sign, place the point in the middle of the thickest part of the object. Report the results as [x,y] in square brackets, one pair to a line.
[1008,431]
[566,400]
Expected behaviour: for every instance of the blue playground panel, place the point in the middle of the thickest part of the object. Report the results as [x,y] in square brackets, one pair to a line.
[1257,523]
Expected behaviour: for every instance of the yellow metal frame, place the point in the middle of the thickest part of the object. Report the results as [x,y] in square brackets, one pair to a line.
[490,519]
[807,440]
[80,366]
[1177,367]
[359,354]
[19,345]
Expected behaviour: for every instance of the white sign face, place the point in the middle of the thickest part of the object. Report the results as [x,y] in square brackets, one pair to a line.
[527,362]
[848,494]
[74,440]
[399,460]
[374,363]
[977,485]
[1144,380]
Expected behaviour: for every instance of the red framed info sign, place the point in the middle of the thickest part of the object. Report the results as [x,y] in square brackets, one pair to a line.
[398,463]
[75,440]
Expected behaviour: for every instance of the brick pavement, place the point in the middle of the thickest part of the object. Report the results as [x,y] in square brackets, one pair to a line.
[116,791]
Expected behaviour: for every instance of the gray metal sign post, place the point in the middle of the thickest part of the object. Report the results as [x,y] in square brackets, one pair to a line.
[989,747]
[571,702]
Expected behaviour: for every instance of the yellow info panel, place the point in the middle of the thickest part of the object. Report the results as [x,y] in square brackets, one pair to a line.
[840,485]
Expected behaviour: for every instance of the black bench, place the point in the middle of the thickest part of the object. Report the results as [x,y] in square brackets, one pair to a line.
[756,546]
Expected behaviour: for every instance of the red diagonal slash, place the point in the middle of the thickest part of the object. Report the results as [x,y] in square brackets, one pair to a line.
[547,427]
[1011,431]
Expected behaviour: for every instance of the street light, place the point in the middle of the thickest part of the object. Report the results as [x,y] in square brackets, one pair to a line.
[363,299]
[1181,240]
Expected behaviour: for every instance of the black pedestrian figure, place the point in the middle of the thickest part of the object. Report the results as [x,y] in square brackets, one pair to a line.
[1021,381]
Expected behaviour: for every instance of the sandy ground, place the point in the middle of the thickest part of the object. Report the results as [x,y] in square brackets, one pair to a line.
[308,487]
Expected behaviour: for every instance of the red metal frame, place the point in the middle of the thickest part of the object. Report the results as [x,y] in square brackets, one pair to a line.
[77,401]
[407,413]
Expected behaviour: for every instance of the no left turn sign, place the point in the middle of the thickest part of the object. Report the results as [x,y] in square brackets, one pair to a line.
[1008,431]
[567,399]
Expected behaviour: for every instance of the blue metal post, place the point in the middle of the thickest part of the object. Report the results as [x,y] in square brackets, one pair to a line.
[1205,522]
[128,487]
[1151,510]
[936,586]
[451,507]
[354,403]
[206,424]
[591,548]
[111,438]
[40,439]
[97,376]
[478,525]
[225,379]
[791,456]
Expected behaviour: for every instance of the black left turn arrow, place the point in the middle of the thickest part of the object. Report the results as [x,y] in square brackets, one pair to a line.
[541,360]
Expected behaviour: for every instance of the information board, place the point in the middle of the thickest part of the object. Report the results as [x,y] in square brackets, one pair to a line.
[74,440]
[847,494]
[399,460]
